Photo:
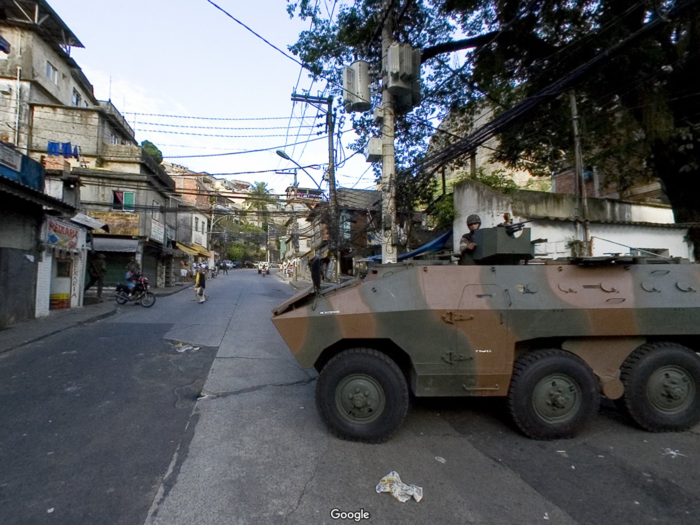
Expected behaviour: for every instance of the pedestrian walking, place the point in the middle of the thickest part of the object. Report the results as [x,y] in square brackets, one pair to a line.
[97,269]
[184,270]
[200,285]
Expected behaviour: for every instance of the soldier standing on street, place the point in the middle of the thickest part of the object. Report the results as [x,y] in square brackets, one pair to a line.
[97,269]
[466,243]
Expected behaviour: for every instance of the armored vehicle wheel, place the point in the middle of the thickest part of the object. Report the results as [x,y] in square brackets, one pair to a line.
[552,394]
[662,387]
[362,395]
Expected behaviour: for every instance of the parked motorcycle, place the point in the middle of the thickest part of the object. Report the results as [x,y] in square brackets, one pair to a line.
[139,293]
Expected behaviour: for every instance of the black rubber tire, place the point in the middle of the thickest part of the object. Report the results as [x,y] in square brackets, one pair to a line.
[635,374]
[121,298]
[148,299]
[387,375]
[529,372]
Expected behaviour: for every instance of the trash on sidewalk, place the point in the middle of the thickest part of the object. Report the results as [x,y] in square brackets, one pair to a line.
[184,347]
[401,491]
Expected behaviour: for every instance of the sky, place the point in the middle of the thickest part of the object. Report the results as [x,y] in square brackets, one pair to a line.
[186,58]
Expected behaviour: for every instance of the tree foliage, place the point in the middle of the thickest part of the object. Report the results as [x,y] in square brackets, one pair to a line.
[640,109]
[153,151]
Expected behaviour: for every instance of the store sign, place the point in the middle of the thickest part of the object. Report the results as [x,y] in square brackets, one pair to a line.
[61,235]
[120,223]
[10,158]
[157,231]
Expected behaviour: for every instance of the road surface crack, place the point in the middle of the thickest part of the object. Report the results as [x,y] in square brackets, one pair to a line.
[313,476]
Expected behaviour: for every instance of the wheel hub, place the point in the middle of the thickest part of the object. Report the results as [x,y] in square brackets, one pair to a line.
[360,398]
[556,398]
[671,389]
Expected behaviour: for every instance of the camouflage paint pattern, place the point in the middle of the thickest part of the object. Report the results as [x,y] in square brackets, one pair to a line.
[463,326]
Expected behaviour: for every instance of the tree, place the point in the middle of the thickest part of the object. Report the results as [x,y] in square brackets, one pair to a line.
[640,108]
[259,199]
[153,151]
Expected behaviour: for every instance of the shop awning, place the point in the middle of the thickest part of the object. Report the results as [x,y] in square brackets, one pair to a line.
[202,251]
[102,244]
[90,222]
[188,250]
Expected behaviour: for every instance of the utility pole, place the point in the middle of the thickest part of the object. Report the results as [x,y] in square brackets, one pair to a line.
[579,180]
[334,221]
[388,185]
[333,196]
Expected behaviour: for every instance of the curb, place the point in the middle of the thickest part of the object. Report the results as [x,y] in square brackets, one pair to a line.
[59,330]
[94,319]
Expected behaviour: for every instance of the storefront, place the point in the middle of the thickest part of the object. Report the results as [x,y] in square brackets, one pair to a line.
[61,270]
[118,252]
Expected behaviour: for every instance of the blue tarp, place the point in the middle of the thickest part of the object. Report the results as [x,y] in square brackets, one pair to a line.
[432,246]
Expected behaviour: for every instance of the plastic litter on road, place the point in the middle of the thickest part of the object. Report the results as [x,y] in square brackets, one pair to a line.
[401,491]
[440,460]
[673,453]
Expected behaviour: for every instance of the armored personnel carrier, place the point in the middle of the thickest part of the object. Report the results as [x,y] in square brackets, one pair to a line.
[551,336]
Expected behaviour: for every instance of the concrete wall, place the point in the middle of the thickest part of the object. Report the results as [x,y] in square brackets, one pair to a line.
[30,52]
[65,124]
[553,214]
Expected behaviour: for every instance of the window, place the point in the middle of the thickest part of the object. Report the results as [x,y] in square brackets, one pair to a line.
[113,139]
[123,200]
[77,98]
[51,72]
[196,224]
[155,211]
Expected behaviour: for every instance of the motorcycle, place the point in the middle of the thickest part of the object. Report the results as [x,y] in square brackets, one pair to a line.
[263,271]
[139,293]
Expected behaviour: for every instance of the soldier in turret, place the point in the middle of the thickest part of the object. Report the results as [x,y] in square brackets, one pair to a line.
[466,243]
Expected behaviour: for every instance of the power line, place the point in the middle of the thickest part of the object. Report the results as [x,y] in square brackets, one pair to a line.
[241,152]
[256,34]
[160,124]
[202,118]
[211,135]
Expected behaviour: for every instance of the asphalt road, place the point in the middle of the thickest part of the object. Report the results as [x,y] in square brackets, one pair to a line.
[111,434]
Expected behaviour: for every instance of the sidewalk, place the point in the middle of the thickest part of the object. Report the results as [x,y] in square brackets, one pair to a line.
[59,320]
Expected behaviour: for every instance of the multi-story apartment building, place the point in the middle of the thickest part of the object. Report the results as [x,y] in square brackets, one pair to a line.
[48,106]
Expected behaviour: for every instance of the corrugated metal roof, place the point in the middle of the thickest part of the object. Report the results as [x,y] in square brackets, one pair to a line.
[30,194]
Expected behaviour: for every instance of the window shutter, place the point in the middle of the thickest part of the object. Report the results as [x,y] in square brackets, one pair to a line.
[129,200]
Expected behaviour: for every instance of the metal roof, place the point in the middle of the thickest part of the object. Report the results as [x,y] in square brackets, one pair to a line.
[609,221]
[39,15]
[107,244]
[23,191]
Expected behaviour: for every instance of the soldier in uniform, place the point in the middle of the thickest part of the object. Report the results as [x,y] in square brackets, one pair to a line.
[97,270]
[466,243]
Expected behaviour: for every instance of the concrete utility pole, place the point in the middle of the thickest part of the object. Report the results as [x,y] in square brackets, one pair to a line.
[334,221]
[333,196]
[580,183]
[389,250]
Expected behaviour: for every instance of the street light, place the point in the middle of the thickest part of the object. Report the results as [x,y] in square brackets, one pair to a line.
[287,157]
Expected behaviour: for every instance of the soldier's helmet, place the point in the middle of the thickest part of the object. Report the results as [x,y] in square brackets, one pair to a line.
[473,219]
